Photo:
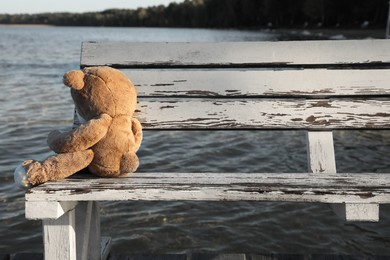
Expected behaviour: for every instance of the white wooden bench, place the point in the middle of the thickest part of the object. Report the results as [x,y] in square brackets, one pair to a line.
[314,86]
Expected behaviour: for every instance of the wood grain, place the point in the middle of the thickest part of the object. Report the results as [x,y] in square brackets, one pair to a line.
[333,188]
[236,113]
[59,237]
[235,54]
[309,83]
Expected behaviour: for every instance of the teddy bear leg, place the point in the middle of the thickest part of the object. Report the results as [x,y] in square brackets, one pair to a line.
[129,163]
[55,167]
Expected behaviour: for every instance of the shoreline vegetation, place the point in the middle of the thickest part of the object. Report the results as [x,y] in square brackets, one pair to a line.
[289,34]
[229,14]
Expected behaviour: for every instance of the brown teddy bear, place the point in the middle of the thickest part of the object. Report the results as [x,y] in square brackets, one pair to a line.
[105,141]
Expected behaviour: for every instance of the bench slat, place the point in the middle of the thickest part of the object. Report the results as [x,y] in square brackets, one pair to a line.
[235,113]
[256,82]
[235,53]
[340,188]
[320,152]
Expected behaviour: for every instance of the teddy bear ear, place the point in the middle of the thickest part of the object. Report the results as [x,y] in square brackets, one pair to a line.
[74,79]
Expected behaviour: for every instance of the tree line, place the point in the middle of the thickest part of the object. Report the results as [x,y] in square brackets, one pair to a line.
[226,14]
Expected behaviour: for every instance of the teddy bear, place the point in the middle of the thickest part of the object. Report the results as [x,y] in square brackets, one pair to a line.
[106,138]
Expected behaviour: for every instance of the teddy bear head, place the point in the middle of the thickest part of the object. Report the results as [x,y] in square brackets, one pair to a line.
[98,90]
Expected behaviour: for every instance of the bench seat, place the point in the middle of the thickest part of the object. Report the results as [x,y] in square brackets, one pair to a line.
[290,187]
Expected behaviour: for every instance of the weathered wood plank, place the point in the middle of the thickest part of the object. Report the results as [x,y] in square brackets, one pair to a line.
[361,212]
[320,152]
[235,53]
[339,188]
[256,82]
[176,113]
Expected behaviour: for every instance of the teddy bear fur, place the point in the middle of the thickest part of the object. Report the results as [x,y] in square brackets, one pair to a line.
[107,139]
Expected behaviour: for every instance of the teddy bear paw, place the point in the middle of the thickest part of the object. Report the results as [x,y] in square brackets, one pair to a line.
[21,177]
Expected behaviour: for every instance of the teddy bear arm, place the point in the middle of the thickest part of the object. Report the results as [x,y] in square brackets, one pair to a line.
[136,128]
[80,138]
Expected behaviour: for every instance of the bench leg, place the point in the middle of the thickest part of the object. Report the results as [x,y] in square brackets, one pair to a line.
[75,235]
[357,211]
[321,160]
[88,230]
[59,237]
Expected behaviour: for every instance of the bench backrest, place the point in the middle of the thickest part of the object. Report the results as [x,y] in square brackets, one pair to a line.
[312,85]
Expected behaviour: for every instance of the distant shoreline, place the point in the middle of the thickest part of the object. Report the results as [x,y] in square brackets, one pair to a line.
[26,25]
[350,33]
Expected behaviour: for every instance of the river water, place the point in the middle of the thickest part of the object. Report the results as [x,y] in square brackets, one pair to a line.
[32,62]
